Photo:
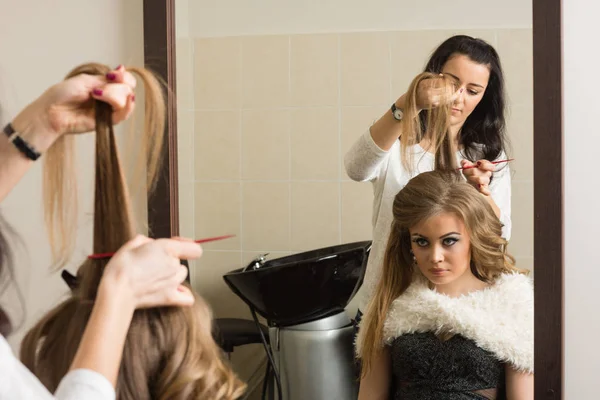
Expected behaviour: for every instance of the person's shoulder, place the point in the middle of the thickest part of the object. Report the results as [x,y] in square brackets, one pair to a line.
[515,278]
[5,350]
[515,287]
[16,381]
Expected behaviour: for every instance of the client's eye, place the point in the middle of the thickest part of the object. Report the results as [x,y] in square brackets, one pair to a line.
[449,241]
[420,242]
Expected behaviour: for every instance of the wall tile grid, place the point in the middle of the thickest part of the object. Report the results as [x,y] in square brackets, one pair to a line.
[263,136]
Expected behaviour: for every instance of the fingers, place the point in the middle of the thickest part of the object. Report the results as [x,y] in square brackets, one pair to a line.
[439,96]
[181,249]
[485,165]
[124,113]
[176,296]
[116,89]
[181,274]
[484,189]
[115,94]
[456,94]
[466,163]
[183,239]
[177,276]
[121,75]
[181,297]
[478,174]
[137,241]
[479,180]
[87,83]
[438,92]
[170,293]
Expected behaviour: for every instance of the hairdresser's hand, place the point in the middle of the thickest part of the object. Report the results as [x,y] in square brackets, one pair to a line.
[480,175]
[66,107]
[149,272]
[431,95]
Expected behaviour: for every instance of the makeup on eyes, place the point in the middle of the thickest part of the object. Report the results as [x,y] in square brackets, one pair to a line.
[453,240]
[452,236]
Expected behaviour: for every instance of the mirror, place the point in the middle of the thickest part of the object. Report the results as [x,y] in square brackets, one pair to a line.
[272,95]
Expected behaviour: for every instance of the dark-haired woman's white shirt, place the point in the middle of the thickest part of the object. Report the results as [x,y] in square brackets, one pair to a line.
[366,161]
[17,382]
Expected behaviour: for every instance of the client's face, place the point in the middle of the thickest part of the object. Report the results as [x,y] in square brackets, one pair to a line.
[441,247]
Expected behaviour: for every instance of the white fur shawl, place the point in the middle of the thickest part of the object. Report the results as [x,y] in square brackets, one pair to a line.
[498,319]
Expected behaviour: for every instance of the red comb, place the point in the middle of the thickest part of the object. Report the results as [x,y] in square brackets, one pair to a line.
[212,239]
[493,162]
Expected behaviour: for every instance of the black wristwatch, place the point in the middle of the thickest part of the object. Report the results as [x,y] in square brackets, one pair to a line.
[396,112]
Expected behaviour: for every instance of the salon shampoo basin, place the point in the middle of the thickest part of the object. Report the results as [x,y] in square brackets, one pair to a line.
[302,287]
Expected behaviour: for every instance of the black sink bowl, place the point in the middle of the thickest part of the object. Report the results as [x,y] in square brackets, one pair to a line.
[303,287]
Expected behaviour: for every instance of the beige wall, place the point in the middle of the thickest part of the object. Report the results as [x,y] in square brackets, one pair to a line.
[266,116]
[580,200]
[41,42]
[268,17]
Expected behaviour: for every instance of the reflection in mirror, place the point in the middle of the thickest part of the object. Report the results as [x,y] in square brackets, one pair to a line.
[272,100]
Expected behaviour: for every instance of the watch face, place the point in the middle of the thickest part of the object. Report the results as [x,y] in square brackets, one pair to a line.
[398,114]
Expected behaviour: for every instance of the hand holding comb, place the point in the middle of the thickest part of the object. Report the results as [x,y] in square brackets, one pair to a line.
[493,162]
[205,240]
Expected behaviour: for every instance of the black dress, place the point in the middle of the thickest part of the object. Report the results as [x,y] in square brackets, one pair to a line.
[425,367]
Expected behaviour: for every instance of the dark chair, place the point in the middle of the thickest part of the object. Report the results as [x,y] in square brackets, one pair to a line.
[69,278]
[230,333]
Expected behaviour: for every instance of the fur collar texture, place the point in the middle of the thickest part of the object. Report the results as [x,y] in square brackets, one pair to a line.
[498,319]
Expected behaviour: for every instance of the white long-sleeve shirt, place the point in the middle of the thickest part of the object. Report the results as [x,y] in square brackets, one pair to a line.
[366,161]
[17,382]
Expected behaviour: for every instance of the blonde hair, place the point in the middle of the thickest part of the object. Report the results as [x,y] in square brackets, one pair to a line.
[169,352]
[427,195]
[437,122]
[60,171]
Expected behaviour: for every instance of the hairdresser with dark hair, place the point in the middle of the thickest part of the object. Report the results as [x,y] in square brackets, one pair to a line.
[476,129]
[143,273]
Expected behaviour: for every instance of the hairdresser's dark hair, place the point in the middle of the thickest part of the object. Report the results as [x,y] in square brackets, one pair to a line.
[486,125]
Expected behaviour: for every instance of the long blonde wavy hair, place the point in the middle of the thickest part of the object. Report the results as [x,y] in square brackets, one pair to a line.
[427,195]
[437,122]
[169,352]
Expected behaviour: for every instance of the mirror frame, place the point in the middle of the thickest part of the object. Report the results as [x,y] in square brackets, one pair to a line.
[163,215]
[159,56]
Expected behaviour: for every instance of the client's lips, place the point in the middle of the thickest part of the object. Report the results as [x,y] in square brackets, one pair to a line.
[438,271]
